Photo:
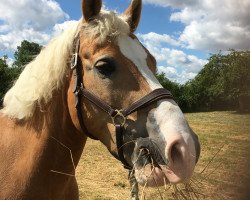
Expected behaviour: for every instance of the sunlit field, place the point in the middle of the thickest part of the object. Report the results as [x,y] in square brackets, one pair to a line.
[223,171]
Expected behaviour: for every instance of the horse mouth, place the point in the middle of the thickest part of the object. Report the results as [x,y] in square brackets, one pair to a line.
[153,169]
[155,176]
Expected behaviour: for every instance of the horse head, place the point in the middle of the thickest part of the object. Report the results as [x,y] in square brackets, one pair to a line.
[119,100]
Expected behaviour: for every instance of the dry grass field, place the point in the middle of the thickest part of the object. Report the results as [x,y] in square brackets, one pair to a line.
[223,171]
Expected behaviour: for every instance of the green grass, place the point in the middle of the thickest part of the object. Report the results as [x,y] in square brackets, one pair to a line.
[224,138]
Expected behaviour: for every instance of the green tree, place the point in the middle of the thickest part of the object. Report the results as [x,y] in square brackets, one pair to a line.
[5,78]
[175,88]
[223,84]
[236,78]
[25,53]
[207,85]
[166,83]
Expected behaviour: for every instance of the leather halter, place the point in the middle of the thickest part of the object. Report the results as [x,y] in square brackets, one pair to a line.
[118,116]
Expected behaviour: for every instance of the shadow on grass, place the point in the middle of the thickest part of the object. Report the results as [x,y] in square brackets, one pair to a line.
[240,112]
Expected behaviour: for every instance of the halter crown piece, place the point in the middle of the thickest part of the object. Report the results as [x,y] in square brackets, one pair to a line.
[118,116]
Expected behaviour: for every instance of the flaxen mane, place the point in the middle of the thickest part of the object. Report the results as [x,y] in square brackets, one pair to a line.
[47,71]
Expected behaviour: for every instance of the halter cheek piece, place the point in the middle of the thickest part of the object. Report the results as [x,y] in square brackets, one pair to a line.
[118,116]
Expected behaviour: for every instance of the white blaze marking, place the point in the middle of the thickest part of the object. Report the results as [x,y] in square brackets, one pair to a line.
[166,124]
[167,120]
[171,121]
[133,50]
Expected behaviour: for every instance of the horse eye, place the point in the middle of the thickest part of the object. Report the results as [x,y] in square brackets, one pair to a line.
[105,67]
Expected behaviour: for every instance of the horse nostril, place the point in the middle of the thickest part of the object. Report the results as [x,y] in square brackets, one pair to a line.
[175,153]
[144,153]
[181,160]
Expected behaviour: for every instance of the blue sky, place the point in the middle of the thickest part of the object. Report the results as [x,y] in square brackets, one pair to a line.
[181,34]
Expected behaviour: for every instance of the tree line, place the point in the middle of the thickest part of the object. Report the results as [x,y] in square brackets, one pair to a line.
[222,84]
[22,56]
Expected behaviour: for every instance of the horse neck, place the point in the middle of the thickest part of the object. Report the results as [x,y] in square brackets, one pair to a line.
[61,143]
[39,151]
[64,140]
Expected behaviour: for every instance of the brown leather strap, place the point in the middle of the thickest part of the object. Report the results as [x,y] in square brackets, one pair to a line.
[150,98]
[98,102]
[119,129]
[78,102]
[76,66]
[145,101]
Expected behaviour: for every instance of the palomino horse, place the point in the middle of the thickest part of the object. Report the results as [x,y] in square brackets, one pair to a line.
[44,125]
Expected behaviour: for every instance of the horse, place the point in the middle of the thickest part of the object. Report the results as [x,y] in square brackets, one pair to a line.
[95,80]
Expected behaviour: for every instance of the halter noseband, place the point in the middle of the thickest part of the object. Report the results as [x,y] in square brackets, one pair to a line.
[118,116]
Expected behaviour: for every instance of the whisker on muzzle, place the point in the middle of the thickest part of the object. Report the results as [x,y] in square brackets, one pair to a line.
[191,190]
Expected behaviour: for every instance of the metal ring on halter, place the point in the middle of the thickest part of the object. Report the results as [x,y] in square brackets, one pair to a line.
[119,118]
[74,61]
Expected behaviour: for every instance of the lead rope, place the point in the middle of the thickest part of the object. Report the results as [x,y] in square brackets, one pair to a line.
[134,189]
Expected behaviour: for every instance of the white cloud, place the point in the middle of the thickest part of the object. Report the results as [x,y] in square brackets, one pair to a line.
[172,3]
[211,25]
[9,41]
[173,75]
[28,19]
[59,28]
[10,61]
[37,14]
[170,72]
[159,39]
[176,64]
[4,28]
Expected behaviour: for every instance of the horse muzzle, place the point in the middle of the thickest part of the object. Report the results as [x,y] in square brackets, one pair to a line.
[156,167]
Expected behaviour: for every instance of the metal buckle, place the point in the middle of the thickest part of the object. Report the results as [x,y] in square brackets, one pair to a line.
[74,61]
[119,118]
[79,89]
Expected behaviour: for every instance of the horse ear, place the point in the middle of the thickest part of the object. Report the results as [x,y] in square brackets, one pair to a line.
[133,14]
[91,8]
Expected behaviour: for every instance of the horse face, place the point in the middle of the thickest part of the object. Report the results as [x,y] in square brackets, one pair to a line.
[158,141]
